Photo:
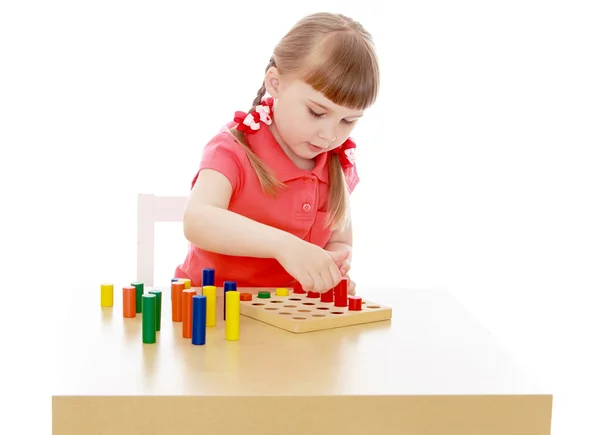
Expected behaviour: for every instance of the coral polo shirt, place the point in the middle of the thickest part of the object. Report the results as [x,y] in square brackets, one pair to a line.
[299,209]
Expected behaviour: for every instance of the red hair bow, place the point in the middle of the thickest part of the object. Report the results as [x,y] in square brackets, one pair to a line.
[250,122]
[345,153]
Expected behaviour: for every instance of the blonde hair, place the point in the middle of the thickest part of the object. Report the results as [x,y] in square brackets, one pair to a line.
[336,56]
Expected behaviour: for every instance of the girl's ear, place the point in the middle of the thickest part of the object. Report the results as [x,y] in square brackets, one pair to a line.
[273,82]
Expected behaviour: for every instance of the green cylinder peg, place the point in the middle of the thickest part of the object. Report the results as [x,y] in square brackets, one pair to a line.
[158,294]
[139,291]
[149,318]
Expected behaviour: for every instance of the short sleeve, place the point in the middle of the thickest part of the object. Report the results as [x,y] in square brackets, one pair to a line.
[223,154]
[351,177]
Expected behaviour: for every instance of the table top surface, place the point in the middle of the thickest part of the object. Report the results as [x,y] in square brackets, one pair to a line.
[431,346]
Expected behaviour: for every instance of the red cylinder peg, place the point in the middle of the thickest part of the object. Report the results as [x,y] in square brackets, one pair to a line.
[340,293]
[298,289]
[327,296]
[354,303]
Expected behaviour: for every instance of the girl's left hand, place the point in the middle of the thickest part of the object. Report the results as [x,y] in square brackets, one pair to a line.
[344,267]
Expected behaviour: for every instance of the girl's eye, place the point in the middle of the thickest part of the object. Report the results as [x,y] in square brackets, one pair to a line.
[315,114]
[319,115]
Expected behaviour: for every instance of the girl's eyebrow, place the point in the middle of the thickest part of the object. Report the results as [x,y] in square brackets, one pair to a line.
[320,105]
[327,108]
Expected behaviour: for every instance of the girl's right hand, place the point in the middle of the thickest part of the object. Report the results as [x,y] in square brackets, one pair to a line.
[314,268]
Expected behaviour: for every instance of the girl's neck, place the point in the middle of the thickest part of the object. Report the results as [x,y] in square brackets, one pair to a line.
[302,163]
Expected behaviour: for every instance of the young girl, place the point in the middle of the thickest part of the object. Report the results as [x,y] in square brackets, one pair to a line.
[269,205]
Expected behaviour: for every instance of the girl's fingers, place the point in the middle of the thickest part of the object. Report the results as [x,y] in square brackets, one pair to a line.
[344,268]
[351,287]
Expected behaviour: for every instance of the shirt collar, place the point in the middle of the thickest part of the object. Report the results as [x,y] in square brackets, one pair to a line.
[266,147]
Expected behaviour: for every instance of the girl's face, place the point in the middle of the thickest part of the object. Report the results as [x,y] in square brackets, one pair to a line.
[306,123]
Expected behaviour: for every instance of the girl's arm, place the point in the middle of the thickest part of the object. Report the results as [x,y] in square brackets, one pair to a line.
[341,241]
[209,225]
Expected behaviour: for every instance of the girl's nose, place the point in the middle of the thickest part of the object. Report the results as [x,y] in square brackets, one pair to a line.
[328,137]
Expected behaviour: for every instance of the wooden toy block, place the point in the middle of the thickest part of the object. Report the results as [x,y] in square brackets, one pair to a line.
[299,313]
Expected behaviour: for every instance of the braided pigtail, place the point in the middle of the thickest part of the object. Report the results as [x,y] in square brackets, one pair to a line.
[261,92]
[269,183]
[338,195]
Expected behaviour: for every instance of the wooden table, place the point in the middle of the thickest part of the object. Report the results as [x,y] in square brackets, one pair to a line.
[431,370]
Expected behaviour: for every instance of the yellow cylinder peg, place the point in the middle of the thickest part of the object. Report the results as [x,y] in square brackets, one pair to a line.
[232,320]
[106,295]
[186,281]
[210,291]
[282,292]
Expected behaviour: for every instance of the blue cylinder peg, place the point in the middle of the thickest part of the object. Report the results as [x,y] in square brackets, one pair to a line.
[208,277]
[227,286]
[199,319]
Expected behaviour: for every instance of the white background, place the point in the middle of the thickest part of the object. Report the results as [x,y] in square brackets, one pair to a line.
[479,164]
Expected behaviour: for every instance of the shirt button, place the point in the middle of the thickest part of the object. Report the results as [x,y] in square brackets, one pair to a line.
[306,207]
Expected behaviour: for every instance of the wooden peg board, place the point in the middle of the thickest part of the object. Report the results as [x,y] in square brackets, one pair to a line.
[298,313]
